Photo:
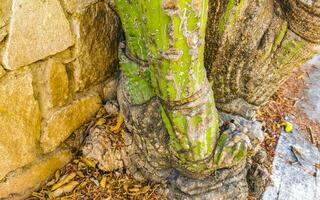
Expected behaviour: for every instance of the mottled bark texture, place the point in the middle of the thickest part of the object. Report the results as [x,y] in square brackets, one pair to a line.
[144,154]
[252,46]
[162,64]
[167,101]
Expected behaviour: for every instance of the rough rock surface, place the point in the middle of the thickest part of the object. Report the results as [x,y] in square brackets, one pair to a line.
[19,122]
[72,6]
[3,33]
[63,122]
[28,180]
[2,71]
[5,10]
[52,84]
[296,176]
[96,45]
[40,70]
[20,183]
[46,33]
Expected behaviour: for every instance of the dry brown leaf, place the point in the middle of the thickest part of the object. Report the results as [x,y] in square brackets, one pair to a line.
[57,175]
[63,181]
[103,182]
[101,121]
[38,195]
[80,174]
[88,162]
[120,120]
[65,189]
[50,183]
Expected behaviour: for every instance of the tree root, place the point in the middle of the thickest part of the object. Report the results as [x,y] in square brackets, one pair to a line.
[223,184]
[145,156]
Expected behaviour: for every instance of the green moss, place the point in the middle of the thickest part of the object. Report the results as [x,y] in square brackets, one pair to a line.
[198,167]
[280,36]
[171,91]
[173,140]
[225,17]
[237,14]
[220,146]
[209,133]
[222,140]
[276,42]
[215,125]
[180,122]
[180,125]
[242,152]
[217,156]
[133,27]
[138,84]
[199,145]
[196,120]
[289,50]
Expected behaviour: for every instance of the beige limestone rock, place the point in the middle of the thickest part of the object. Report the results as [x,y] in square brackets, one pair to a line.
[23,182]
[37,29]
[52,85]
[65,56]
[109,90]
[3,33]
[57,83]
[66,120]
[5,10]
[2,71]
[19,122]
[72,6]
[97,29]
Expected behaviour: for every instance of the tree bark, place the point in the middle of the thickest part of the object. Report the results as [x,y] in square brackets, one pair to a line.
[164,47]
[167,100]
[252,47]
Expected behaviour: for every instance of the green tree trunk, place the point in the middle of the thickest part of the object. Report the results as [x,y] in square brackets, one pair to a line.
[163,57]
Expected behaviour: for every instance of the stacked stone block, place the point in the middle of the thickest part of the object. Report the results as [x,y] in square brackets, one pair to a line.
[57,65]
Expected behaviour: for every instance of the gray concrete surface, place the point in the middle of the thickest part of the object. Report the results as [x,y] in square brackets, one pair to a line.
[311,103]
[295,176]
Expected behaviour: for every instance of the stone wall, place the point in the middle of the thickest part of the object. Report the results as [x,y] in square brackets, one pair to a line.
[58,62]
